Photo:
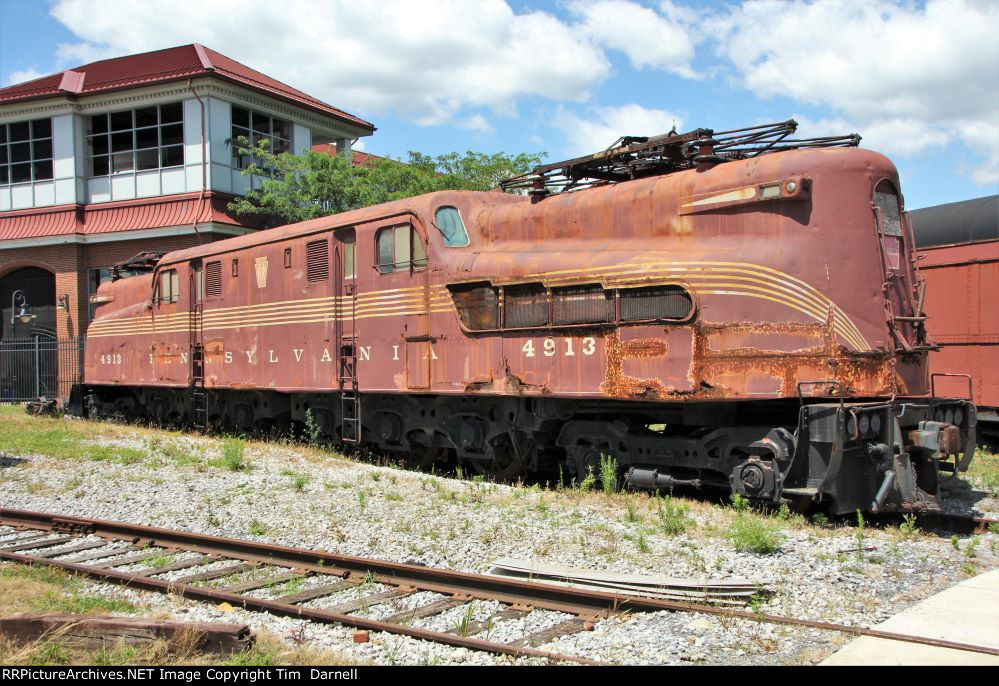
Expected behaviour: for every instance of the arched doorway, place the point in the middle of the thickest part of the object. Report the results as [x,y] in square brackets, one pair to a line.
[38,288]
[29,351]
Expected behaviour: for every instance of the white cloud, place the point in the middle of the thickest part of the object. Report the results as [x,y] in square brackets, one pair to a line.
[475,122]
[601,126]
[22,75]
[648,38]
[424,60]
[911,77]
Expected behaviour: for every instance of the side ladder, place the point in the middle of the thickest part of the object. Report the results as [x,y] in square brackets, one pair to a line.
[199,397]
[350,401]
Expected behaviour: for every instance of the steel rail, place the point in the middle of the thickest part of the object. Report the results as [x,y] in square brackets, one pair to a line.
[515,592]
[287,610]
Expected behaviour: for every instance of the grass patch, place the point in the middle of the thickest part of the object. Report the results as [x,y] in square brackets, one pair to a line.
[608,474]
[232,454]
[755,534]
[984,470]
[673,516]
[46,589]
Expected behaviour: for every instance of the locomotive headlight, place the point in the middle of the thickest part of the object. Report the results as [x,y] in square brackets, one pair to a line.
[876,424]
[791,187]
[770,192]
[865,423]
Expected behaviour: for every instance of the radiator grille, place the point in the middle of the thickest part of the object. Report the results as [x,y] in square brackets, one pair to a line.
[213,279]
[655,302]
[525,305]
[317,255]
[589,304]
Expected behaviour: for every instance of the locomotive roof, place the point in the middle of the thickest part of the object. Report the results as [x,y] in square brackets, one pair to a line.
[967,221]
[488,211]
[421,205]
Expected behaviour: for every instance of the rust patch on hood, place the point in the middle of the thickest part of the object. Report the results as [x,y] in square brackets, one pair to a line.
[747,359]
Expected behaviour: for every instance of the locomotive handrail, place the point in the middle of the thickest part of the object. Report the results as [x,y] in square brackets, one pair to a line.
[933,383]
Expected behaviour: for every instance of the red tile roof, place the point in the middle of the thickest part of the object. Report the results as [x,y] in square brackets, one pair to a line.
[171,64]
[358,159]
[114,217]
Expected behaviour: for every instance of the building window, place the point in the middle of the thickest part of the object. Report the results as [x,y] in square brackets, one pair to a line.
[95,277]
[255,126]
[135,140]
[26,151]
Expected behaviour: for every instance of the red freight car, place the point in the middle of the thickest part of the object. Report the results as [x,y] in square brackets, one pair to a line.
[757,302]
[958,247]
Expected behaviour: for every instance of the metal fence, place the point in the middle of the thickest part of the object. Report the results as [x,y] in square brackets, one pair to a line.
[37,366]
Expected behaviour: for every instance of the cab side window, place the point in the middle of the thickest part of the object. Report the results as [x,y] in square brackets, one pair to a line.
[399,248]
[452,227]
[168,287]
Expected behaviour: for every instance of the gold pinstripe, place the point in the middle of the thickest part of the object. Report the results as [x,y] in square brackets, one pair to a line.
[717,278]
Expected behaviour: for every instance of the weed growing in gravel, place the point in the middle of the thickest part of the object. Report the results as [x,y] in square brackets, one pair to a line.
[994,528]
[740,502]
[955,541]
[755,534]
[258,528]
[313,433]
[632,516]
[232,454]
[642,544]
[972,546]
[819,519]
[860,536]
[908,528]
[588,482]
[608,474]
[362,499]
[984,469]
[392,496]
[673,517]
[461,626]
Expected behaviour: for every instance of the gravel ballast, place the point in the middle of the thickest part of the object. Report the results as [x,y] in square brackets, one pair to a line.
[298,496]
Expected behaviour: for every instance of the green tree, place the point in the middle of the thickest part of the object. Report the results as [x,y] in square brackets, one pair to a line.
[294,188]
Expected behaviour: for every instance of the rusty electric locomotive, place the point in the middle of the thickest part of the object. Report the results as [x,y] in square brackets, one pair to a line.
[734,309]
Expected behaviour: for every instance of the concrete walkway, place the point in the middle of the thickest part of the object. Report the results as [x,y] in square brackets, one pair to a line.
[967,613]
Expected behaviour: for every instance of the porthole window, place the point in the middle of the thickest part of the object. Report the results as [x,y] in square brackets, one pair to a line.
[452,227]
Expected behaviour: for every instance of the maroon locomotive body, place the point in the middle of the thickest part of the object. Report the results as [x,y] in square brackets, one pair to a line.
[753,325]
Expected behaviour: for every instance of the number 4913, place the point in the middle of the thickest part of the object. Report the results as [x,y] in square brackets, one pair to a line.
[550,347]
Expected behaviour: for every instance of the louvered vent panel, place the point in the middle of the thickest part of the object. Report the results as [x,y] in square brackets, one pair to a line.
[589,304]
[478,305]
[213,279]
[318,259]
[526,306]
[655,303]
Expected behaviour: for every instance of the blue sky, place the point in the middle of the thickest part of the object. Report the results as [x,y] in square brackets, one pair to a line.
[919,80]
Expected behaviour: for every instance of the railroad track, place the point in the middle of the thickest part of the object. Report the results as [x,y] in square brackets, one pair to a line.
[100,549]
[960,524]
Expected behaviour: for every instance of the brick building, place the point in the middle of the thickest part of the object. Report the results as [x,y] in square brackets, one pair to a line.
[101,162]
